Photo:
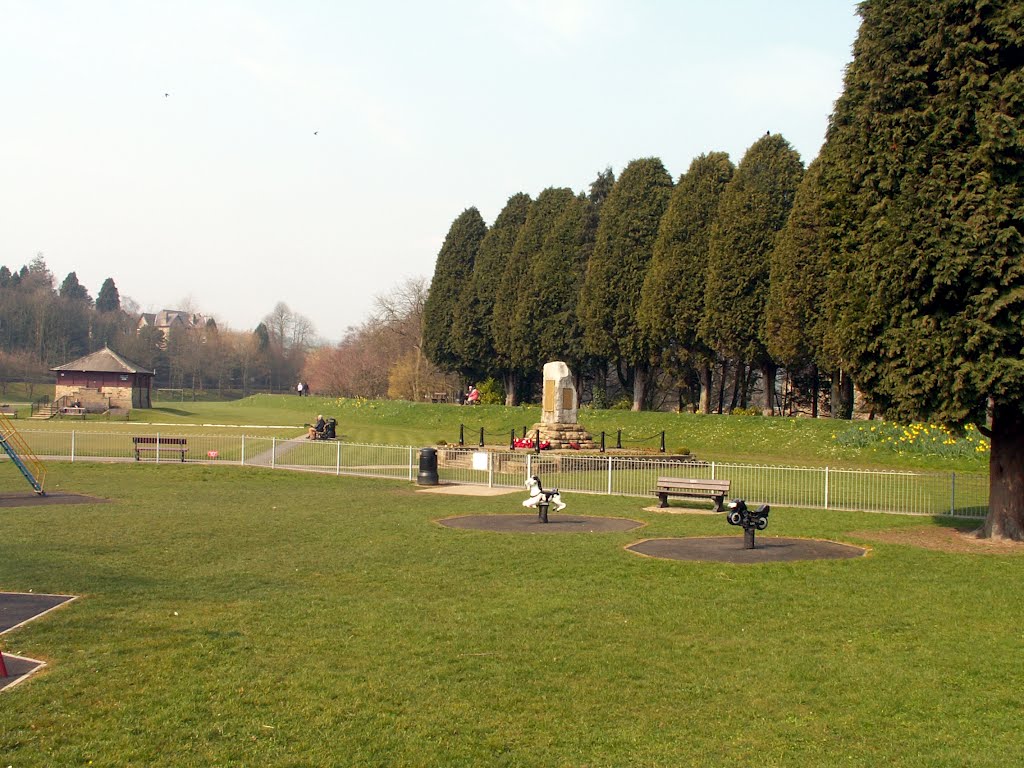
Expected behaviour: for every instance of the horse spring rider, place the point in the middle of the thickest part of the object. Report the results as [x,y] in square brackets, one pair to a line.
[538,495]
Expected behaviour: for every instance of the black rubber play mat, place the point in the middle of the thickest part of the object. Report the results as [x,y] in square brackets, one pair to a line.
[729,549]
[17,608]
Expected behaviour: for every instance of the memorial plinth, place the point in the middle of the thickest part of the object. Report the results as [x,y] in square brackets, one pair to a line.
[558,424]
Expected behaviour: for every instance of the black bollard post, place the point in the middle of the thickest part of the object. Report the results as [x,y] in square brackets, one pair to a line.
[602,442]
[662,441]
[512,441]
[524,433]
[618,440]
[462,434]
[536,442]
[481,437]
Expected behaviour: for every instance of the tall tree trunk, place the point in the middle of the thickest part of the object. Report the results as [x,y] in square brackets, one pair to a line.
[739,386]
[511,381]
[721,386]
[641,380]
[626,375]
[1006,474]
[842,395]
[816,387]
[705,388]
[768,371]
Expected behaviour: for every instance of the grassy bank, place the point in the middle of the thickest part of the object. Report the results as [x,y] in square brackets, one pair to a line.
[810,442]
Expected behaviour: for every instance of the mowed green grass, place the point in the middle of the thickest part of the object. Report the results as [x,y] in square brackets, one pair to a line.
[235,616]
[799,441]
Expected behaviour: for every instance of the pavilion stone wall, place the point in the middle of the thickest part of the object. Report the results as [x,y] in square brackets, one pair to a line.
[98,400]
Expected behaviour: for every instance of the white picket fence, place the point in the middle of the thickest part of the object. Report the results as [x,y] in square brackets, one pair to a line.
[916,493]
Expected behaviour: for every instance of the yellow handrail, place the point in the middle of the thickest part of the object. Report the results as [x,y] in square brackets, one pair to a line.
[11,437]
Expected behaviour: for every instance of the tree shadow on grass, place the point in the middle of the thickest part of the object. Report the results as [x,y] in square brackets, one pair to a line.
[174,411]
[945,534]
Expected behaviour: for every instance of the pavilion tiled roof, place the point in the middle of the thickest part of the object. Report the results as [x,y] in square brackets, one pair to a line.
[105,360]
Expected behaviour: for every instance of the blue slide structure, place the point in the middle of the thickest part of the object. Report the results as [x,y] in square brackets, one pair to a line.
[26,462]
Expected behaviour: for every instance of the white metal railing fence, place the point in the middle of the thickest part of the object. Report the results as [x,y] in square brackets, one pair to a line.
[920,493]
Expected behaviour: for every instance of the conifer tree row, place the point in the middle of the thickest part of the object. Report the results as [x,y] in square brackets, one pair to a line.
[923,193]
[672,300]
[624,245]
[452,275]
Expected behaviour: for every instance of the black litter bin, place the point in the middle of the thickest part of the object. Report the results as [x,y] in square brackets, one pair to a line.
[428,467]
[331,429]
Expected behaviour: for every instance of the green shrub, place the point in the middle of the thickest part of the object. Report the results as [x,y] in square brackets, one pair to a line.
[491,392]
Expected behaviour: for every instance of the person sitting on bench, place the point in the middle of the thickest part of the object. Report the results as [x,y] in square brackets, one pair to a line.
[317,430]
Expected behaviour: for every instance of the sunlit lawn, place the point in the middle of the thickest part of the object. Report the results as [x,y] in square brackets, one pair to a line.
[234,616]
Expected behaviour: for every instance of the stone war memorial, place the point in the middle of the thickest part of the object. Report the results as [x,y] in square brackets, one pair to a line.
[560,407]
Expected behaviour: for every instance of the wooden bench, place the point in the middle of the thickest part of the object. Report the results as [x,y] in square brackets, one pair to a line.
[157,444]
[685,486]
[438,397]
[73,410]
[7,410]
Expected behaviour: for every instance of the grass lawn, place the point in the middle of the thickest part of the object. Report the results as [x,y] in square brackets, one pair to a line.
[236,616]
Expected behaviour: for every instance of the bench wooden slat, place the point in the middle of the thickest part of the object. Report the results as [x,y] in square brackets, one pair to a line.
[693,487]
[148,443]
[689,482]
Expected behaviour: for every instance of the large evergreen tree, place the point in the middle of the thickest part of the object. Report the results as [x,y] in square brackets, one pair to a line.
[624,244]
[73,290]
[753,208]
[512,338]
[796,318]
[452,272]
[925,191]
[108,299]
[601,186]
[546,315]
[672,302]
[474,314]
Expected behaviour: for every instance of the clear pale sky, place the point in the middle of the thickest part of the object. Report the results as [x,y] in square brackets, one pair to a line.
[231,155]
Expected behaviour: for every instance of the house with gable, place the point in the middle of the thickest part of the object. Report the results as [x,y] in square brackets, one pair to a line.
[168,319]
